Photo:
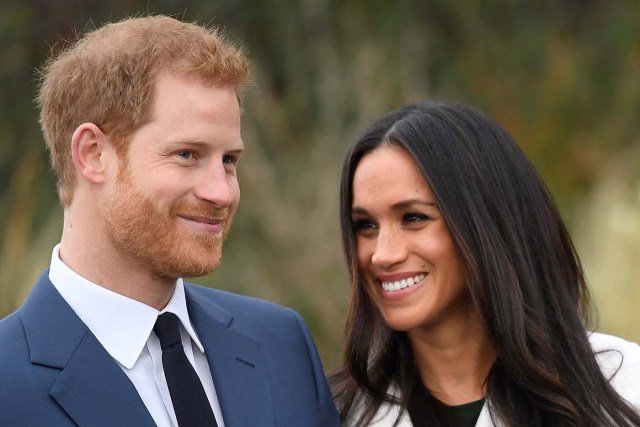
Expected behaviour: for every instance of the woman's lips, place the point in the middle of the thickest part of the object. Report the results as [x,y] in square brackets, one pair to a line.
[397,286]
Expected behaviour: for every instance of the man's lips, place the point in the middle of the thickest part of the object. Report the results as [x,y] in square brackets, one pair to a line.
[202,219]
[203,223]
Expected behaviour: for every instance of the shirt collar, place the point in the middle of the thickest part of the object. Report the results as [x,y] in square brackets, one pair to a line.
[121,324]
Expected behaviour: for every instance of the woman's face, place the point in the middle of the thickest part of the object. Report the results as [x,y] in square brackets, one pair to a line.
[405,251]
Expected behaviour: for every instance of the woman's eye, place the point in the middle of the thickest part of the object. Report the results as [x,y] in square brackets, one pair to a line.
[363,224]
[413,217]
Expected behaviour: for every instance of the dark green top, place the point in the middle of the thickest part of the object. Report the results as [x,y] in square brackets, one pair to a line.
[465,415]
[425,410]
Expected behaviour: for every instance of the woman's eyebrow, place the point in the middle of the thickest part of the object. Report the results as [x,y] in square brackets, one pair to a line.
[408,203]
[404,204]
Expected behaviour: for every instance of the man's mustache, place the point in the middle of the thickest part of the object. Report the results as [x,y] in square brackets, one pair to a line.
[205,211]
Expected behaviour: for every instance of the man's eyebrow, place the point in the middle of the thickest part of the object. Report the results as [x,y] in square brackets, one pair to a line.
[239,146]
[189,141]
[236,146]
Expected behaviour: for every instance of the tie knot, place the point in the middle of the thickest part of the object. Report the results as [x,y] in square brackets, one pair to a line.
[167,328]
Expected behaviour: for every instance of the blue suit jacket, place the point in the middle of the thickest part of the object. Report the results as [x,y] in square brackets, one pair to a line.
[54,372]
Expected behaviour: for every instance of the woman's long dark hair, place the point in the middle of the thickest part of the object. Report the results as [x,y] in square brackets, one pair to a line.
[523,275]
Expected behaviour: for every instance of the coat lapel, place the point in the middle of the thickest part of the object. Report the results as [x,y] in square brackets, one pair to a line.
[484,420]
[90,387]
[236,364]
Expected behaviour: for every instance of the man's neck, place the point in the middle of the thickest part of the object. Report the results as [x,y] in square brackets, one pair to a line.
[88,252]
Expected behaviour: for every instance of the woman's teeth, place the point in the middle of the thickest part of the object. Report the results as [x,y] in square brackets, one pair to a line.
[401,284]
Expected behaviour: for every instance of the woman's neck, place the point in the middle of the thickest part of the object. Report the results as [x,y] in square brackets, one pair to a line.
[454,360]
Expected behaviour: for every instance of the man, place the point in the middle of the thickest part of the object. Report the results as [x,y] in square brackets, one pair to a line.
[143,123]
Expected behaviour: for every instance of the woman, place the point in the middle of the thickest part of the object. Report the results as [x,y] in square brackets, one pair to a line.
[468,304]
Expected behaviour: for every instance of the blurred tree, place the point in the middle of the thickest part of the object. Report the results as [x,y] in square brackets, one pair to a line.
[561,76]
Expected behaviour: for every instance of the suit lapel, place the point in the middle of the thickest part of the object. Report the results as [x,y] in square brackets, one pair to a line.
[236,364]
[90,387]
[94,390]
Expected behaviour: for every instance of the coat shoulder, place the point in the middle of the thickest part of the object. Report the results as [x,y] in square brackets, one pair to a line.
[245,308]
[619,361]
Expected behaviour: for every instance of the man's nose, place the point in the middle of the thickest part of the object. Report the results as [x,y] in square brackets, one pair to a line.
[217,186]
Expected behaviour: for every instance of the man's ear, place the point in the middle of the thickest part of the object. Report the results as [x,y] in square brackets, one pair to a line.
[89,146]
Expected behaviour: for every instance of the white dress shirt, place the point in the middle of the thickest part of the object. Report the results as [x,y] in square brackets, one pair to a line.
[124,328]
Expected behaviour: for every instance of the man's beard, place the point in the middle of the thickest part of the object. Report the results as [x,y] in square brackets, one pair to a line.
[153,238]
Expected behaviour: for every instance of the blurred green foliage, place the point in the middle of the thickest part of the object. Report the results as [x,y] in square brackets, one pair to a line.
[561,76]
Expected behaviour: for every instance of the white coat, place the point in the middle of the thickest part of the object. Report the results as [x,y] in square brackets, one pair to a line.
[621,366]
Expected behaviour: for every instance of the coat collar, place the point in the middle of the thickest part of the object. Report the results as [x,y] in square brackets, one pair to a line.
[387,415]
[90,386]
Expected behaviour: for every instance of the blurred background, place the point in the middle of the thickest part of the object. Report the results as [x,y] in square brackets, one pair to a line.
[562,76]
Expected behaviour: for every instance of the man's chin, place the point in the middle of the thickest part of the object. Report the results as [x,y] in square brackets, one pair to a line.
[186,269]
[204,263]
[189,258]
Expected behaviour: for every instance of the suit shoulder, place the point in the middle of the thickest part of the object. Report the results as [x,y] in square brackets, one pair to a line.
[14,353]
[279,326]
[10,329]
[8,321]
[243,305]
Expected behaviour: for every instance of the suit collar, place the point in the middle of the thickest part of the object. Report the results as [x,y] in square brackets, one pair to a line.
[235,360]
[90,386]
[52,329]
[121,324]
[94,390]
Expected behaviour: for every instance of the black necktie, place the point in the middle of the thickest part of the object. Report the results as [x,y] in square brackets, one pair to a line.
[189,400]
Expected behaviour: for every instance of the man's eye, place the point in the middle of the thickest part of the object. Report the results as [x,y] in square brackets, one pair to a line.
[229,159]
[185,154]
